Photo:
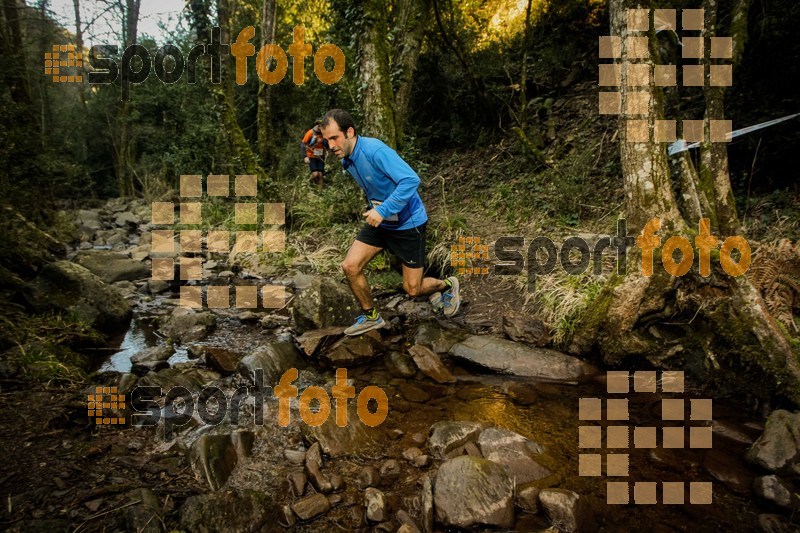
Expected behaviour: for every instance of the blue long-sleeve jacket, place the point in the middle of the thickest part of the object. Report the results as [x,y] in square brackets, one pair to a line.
[385,177]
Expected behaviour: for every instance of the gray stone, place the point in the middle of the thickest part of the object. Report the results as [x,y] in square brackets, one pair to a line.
[273,359]
[286,516]
[225,511]
[472,449]
[411,453]
[213,458]
[145,516]
[317,478]
[399,365]
[296,457]
[523,328]
[314,455]
[527,499]
[377,507]
[405,521]
[274,321]
[504,356]
[323,303]
[297,482]
[568,511]
[438,339]
[470,491]
[157,286]
[151,359]
[352,351]
[311,506]
[66,287]
[112,266]
[422,461]
[187,325]
[415,310]
[127,220]
[778,447]
[774,489]
[368,477]
[430,364]
[447,435]
[192,379]
[354,438]
[426,511]
[390,471]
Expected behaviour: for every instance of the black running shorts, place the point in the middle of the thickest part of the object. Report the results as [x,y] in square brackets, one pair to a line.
[407,244]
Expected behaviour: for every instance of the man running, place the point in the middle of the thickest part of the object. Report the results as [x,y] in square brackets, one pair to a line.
[395,219]
[313,149]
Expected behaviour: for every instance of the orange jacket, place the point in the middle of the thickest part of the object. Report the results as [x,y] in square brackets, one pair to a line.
[313,144]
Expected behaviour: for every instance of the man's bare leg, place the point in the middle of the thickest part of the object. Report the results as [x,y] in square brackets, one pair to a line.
[415,285]
[359,255]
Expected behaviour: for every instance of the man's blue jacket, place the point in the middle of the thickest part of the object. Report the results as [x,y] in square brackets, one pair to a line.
[386,178]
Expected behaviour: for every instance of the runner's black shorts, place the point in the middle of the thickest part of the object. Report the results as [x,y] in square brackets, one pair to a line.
[407,244]
[316,165]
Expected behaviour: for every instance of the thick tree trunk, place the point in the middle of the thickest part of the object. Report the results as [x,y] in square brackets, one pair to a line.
[374,74]
[264,113]
[411,20]
[716,327]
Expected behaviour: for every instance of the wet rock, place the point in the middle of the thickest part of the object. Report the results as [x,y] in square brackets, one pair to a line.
[151,359]
[773,523]
[377,507]
[157,286]
[112,266]
[273,360]
[527,499]
[66,287]
[472,449]
[314,455]
[297,483]
[311,506]
[422,461]
[368,477]
[312,342]
[225,511]
[248,317]
[352,351]
[390,471]
[145,516]
[274,321]
[337,483]
[504,356]
[243,441]
[523,328]
[213,458]
[354,438]
[448,435]
[193,379]
[430,364]
[127,220]
[729,469]
[317,478]
[774,489]
[186,325]
[494,440]
[778,447]
[438,339]
[520,393]
[568,510]
[222,360]
[426,511]
[399,365]
[413,393]
[732,431]
[405,520]
[411,453]
[286,516]
[419,438]
[296,457]
[470,491]
[324,303]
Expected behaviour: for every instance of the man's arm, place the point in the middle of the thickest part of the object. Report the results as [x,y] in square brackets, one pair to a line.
[402,174]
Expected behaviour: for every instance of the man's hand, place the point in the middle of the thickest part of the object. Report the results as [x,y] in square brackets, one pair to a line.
[373,218]
[305,159]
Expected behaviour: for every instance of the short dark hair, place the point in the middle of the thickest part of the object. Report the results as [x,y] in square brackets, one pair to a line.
[341,117]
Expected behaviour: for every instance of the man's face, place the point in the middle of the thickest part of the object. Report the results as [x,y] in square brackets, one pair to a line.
[340,142]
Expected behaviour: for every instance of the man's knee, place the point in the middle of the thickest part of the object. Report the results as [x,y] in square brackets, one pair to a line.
[350,269]
[411,290]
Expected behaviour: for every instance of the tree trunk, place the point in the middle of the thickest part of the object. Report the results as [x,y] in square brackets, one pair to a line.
[123,145]
[411,21]
[264,114]
[374,74]
[714,326]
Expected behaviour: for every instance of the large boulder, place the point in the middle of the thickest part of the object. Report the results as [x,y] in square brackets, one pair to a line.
[352,351]
[507,357]
[67,287]
[151,359]
[447,435]
[273,360]
[112,266]
[324,303]
[186,325]
[568,511]
[778,448]
[515,453]
[470,491]
[355,438]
